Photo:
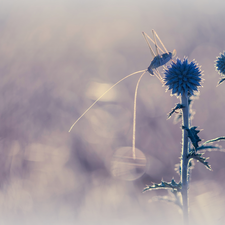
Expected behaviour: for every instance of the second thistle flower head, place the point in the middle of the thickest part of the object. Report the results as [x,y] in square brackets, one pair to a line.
[220,63]
[183,77]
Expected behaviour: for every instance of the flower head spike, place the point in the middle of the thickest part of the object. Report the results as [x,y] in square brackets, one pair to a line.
[183,77]
[220,63]
[220,66]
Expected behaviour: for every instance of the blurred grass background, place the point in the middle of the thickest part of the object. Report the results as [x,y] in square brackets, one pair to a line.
[56,57]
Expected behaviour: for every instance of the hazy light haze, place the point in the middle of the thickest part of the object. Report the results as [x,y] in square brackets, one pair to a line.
[56,58]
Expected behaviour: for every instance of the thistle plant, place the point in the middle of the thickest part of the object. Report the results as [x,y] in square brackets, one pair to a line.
[220,66]
[184,79]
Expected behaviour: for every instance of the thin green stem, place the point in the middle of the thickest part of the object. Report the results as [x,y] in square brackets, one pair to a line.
[184,159]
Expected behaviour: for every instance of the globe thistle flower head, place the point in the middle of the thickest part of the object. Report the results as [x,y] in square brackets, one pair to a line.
[183,77]
[220,63]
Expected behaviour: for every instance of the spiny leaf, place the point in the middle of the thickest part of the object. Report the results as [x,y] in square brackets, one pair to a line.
[221,81]
[207,147]
[192,134]
[198,156]
[178,106]
[215,139]
[178,117]
[164,185]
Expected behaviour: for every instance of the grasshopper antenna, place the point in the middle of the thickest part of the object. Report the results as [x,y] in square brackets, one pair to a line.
[134,116]
[103,95]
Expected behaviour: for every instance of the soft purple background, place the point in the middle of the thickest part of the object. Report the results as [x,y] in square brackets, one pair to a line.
[55,57]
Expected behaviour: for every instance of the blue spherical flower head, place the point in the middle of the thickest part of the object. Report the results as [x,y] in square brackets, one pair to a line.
[220,66]
[220,63]
[183,77]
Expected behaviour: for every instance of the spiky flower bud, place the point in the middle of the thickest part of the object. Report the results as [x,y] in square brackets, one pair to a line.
[220,66]
[220,63]
[183,77]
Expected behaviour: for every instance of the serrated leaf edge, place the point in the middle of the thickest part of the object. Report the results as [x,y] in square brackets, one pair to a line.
[164,185]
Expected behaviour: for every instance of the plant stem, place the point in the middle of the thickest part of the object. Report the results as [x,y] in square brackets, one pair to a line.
[184,159]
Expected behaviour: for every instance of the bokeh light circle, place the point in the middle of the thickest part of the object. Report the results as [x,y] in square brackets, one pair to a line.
[124,166]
